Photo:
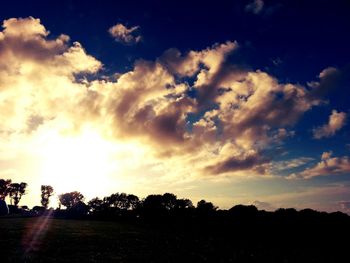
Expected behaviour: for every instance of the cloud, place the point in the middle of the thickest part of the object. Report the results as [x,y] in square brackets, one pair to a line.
[327,166]
[37,75]
[329,78]
[291,164]
[255,7]
[236,113]
[336,121]
[345,206]
[231,163]
[326,156]
[264,206]
[125,35]
[282,134]
[211,58]
[250,108]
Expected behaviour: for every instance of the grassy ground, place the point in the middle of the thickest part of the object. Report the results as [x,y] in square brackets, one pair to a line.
[59,240]
[74,241]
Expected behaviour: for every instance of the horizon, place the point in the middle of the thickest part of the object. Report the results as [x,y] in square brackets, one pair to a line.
[238,102]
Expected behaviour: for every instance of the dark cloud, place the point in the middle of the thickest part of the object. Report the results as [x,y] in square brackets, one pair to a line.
[329,78]
[231,164]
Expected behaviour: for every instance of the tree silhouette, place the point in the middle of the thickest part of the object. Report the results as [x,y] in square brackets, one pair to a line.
[117,200]
[17,190]
[4,188]
[169,201]
[153,204]
[158,206]
[46,193]
[79,209]
[182,204]
[122,201]
[133,201]
[97,205]
[205,208]
[70,199]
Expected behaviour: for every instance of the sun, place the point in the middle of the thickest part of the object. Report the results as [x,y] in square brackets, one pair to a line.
[82,162]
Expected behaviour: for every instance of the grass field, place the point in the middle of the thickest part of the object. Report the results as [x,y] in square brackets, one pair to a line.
[77,241]
[59,240]
[95,241]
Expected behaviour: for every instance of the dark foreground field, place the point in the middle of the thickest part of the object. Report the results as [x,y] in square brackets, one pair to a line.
[59,240]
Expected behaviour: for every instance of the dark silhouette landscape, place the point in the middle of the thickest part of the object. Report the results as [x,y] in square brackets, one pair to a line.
[163,228]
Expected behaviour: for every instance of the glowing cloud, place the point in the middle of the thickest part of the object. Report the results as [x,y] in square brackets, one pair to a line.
[238,113]
[124,35]
[327,166]
[336,121]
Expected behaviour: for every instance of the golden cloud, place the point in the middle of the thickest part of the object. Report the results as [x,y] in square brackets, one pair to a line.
[123,34]
[327,166]
[238,112]
[336,122]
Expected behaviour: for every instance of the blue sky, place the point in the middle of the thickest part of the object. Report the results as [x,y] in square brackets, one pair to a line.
[303,44]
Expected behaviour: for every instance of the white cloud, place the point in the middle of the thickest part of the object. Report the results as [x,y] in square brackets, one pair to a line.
[264,206]
[336,121]
[290,164]
[37,75]
[125,35]
[327,166]
[150,103]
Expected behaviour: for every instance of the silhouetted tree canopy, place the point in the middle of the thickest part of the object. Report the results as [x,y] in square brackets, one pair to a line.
[205,208]
[182,204]
[97,205]
[17,190]
[38,209]
[4,188]
[46,193]
[122,201]
[79,209]
[154,205]
[70,199]
[243,210]
[133,201]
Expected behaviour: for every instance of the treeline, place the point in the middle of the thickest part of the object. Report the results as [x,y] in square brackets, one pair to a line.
[154,207]
[117,205]
[239,234]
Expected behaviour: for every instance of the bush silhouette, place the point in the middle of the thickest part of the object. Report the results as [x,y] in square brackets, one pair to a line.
[4,210]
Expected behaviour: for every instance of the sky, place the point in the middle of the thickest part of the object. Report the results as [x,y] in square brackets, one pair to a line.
[234,102]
